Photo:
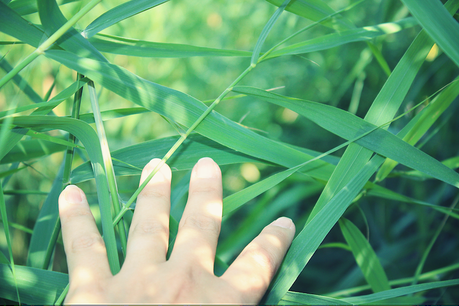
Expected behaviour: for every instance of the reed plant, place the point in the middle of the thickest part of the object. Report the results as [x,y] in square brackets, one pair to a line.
[339,114]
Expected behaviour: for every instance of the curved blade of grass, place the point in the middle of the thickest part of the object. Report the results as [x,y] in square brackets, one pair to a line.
[52,20]
[365,256]
[308,240]
[349,126]
[36,286]
[439,24]
[337,39]
[119,13]
[90,140]
[264,33]
[131,160]
[421,123]
[108,166]
[142,48]
[185,110]
[375,297]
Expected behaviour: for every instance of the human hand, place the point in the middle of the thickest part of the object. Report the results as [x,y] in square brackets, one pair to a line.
[187,276]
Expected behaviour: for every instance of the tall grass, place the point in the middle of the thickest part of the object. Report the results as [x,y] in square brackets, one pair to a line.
[341,116]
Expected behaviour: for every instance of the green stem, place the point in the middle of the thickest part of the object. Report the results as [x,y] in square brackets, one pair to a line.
[179,142]
[108,165]
[49,42]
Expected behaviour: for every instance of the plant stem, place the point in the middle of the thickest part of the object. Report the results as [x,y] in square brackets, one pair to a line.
[179,142]
[49,42]
[108,165]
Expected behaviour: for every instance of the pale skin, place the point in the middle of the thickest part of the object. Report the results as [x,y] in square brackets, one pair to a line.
[187,276]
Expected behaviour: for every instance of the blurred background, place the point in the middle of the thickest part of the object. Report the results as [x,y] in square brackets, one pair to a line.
[399,232]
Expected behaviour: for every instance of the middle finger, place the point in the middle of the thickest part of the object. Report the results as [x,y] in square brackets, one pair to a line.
[149,232]
[199,227]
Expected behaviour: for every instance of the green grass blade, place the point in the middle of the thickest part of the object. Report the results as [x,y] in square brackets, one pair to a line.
[131,160]
[31,149]
[375,297]
[52,20]
[421,123]
[264,33]
[142,48]
[36,286]
[438,23]
[13,24]
[108,165]
[185,110]
[349,126]
[337,39]
[300,298]
[308,240]
[90,140]
[119,13]
[365,256]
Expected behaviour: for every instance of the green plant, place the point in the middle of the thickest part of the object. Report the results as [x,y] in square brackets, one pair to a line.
[405,96]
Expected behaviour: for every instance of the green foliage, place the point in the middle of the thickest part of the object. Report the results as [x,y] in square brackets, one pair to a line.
[309,99]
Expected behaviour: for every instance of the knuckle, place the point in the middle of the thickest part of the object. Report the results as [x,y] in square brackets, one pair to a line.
[263,256]
[202,223]
[153,192]
[88,241]
[205,186]
[76,213]
[149,227]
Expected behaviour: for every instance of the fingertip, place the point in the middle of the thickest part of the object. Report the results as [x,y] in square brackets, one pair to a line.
[206,167]
[284,222]
[162,175]
[72,195]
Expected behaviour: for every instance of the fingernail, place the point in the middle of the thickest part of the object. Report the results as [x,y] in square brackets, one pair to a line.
[207,168]
[284,222]
[73,194]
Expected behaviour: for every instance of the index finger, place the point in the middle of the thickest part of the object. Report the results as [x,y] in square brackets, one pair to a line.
[85,249]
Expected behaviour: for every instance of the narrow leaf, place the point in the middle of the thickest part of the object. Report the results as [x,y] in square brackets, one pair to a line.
[438,23]
[142,48]
[264,33]
[365,256]
[119,13]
